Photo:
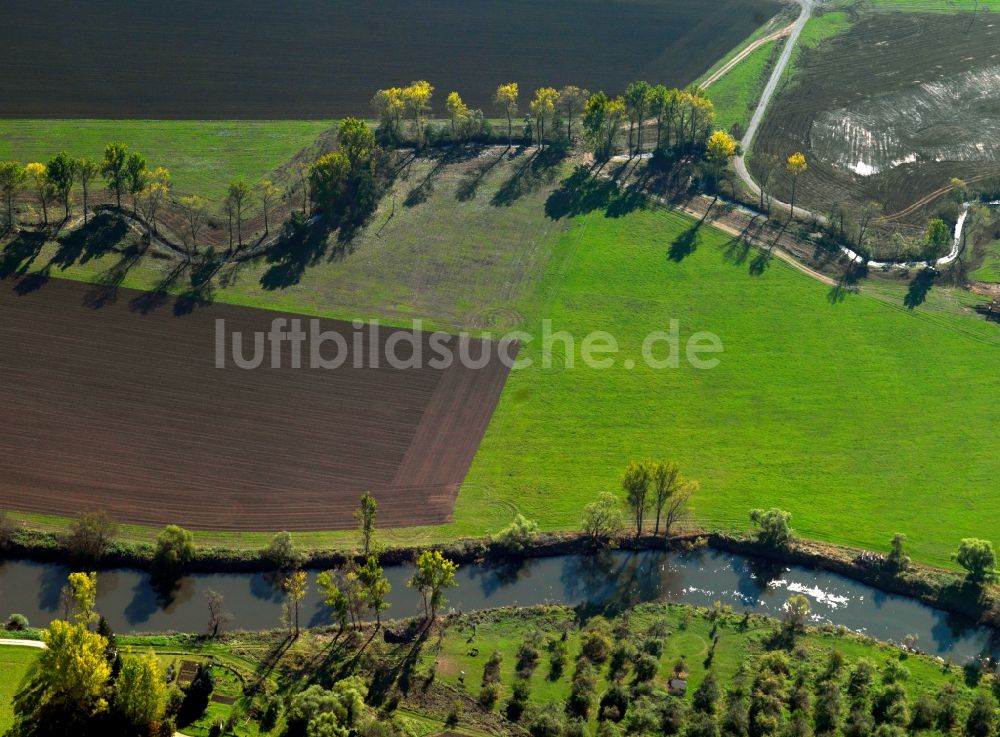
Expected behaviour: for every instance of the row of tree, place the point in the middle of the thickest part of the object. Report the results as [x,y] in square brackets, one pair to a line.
[677,117]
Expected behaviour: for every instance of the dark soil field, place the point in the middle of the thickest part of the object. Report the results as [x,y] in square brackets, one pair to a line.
[890,111]
[325,58]
[109,408]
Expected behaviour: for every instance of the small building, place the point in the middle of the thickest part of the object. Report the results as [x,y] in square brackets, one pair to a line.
[677,686]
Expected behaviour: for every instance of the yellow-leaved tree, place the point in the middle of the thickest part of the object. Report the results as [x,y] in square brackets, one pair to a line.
[543,109]
[73,670]
[82,594]
[140,690]
[506,99]
[796,166]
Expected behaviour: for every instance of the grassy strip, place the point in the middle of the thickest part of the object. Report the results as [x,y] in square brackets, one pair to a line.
[817,29]
[202,156]
[14,665]
[736,94]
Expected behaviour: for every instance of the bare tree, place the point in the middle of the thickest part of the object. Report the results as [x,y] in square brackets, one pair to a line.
[868,212]
[676,507]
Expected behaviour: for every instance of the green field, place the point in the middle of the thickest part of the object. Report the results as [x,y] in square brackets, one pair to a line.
[989,270]
[736,94]
[202,156]
[858,416]
[14,664]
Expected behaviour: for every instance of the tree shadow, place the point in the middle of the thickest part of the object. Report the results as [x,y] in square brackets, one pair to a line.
[105,290]
[760,263]
[301,247]
[101,234]
[160,294]
[846,284]
[625,201]
[32,282]
[579,193]
[686,243]
[737,249]
[537,170]
[468,187]
[20,253]
[920,285]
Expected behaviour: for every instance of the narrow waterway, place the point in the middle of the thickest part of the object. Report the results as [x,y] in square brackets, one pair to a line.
[598,583]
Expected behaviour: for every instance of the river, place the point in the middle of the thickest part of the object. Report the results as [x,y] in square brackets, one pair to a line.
[598,583]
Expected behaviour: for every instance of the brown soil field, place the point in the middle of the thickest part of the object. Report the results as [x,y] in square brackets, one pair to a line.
[122,409]
[890,111]
[323,59]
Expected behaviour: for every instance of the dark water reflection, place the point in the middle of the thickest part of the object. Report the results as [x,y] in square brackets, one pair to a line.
[606,582]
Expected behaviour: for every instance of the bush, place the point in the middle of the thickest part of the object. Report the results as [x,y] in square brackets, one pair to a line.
[517,536]
[281,552]
[17,623]
[646,667]
[773,523]
[595,642]
[490,694]
[174,551]
[977,557]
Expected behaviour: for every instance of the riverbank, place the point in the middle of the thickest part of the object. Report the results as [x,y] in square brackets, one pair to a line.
[936,588]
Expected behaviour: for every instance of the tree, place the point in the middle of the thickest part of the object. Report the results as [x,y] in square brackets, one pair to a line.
[295,585]
[898,558]
[174,551]
[365,515]
[113,169]
[218,617]
[39,176]
[637,98]
[82,595]
[506,100]
[602,518]
[433,576]
[62,173]
[135,176]
[86,171]
[868,211]
[335,598]
[773,524]
[659,97]
[635,482]
[12,177]
[936,241]
[375,587]
[267,193]
[571,101]
[390,108]
[328,180]
[90,535]
[982,718]
[281,552]
[601,120]
[517,536]
[667,481]
[417,102]
[140,690]
[239,198]
[543,109]
[719,149]
[796,612]
[195,209]
[153,195]
[72,671]
[796,165]
[457,111]
[977,558]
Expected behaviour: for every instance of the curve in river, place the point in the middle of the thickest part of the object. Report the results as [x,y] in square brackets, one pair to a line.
[596,583]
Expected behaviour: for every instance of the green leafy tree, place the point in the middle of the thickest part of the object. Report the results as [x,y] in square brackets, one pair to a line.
[72,675]
[982,718]
[12,178]
[898,558]
[282,553]
[267,194]
[635,482]
[135,176]
[140,690]
[295,586]
[936,241]
[796,612]
[62,173]
[174,551]
[773,523]
[637,99]
[602,518]
[434,575]
[977,558]
[375,587]
[114,171]
[571,103]
[517,536]
[332,586]
[366,515]
[86,172]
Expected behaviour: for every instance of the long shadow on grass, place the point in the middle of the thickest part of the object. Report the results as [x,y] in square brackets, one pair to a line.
[101,234]
[920,286]
[537,170]
[105,290]
[20,254]
[582,192]
[302,247]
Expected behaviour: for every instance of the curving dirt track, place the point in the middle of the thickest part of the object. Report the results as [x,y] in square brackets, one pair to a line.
[121,408]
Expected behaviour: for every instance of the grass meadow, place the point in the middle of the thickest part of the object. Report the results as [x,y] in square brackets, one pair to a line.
[202,156]
[14,664]
[737,93]
[860,417]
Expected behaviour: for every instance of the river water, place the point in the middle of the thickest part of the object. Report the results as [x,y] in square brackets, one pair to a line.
[605,583]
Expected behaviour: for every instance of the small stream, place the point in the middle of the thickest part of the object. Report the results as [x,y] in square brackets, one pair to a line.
[605,582]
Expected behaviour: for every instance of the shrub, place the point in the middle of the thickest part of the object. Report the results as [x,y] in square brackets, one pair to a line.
[977,557]
[646,667]
[281,552]
[773,523]
[490,693]
[174,551]
[517,536]
[595,641]
[17,623]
